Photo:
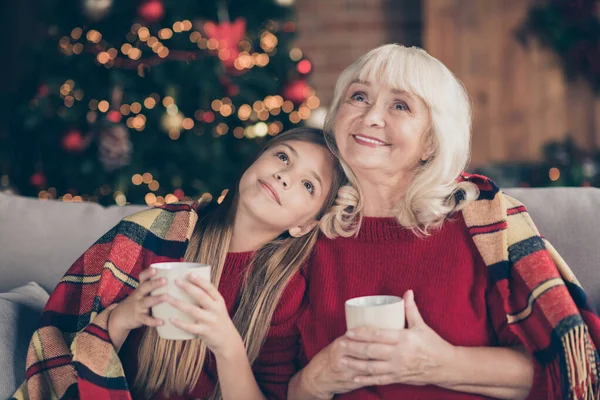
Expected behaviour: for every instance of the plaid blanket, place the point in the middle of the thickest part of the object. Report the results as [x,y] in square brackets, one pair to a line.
[545,305]
[71,356]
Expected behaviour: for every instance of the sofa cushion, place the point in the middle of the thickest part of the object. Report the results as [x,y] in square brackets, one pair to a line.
[568,218]
[19,312]
[39,240]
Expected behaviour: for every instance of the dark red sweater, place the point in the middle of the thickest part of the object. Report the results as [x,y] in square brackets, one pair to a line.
[446,272]
[276,363]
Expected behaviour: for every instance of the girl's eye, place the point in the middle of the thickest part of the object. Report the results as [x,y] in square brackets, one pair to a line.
[283,157]
[358,96]
[401,107]
[309,186]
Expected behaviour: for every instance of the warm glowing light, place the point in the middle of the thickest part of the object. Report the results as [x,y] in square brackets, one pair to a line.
[174,134]
[222,129]
[261,129]
[216,104]
[136,107]
[165,34]
[554,174]
[313,102]
[154,185]
[195,36]
[103,57]
[238,132]
[188,123]
[150,199]
[295,117]
[143,34]
[244,112]
[147,177]
[226,110]
[76,33]
[296,54]
[137,179]
[287,106]
[103,106]
[168,101]
[149,103]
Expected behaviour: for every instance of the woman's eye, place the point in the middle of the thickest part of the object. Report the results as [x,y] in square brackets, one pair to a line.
[358,97]
[401,107]
[309,186]
[283,157]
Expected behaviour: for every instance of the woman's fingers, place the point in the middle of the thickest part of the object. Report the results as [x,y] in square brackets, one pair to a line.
[368,351]
[364,367]
[375,380]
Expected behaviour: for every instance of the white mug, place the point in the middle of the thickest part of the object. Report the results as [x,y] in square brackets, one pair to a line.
[164,311]
[385,312]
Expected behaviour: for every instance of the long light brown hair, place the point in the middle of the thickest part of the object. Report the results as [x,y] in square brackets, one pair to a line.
[175,366]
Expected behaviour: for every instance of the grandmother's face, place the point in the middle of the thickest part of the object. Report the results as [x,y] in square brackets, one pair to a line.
[381,129]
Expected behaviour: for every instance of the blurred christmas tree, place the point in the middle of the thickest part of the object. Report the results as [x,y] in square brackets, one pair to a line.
[154,101]
[564,164]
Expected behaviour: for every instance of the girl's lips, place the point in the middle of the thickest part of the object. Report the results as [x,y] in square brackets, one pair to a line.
[270,190]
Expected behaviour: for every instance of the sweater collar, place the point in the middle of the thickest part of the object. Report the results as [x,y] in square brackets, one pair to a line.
[378,229]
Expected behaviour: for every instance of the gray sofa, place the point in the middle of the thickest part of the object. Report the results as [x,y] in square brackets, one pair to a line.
[39,240]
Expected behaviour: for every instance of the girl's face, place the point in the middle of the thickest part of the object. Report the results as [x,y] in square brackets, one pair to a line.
[285,188]
[380,128]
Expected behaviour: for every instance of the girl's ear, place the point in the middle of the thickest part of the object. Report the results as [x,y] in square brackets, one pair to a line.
[299,231]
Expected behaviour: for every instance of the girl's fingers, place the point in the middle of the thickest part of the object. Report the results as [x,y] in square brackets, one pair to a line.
[195,329]
[147,287]
[208,287]
[193,311]
[150,301]
[151,321]
[147,274]
[202,298]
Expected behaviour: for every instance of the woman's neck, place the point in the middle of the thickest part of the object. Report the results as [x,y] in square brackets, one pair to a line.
[248,233]
[381,194]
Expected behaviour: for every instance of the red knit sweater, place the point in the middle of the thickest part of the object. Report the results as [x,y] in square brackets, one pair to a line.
[446,272]
[275,365]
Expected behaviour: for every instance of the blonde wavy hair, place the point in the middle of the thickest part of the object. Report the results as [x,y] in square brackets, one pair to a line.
[435,191]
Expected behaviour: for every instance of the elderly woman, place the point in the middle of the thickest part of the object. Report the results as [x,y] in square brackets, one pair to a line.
[491,308]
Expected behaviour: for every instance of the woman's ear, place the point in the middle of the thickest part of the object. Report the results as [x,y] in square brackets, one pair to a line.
[299,231]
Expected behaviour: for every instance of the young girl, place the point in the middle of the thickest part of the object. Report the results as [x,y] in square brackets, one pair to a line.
[256,241]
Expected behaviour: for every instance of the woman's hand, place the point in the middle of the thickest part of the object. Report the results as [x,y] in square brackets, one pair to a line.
[416,355]
[134,311]
[327,374]
[211,319]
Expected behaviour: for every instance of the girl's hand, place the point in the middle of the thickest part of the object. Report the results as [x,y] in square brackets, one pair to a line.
[211,319]
[134,311]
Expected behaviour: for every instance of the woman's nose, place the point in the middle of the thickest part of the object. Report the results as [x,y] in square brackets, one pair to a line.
[374,116]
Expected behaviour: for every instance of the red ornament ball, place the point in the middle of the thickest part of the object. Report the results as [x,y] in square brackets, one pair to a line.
[151,11]
[179,194]
[73,142]
[114,116]
[38,180]
[297,91]
[304,67]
